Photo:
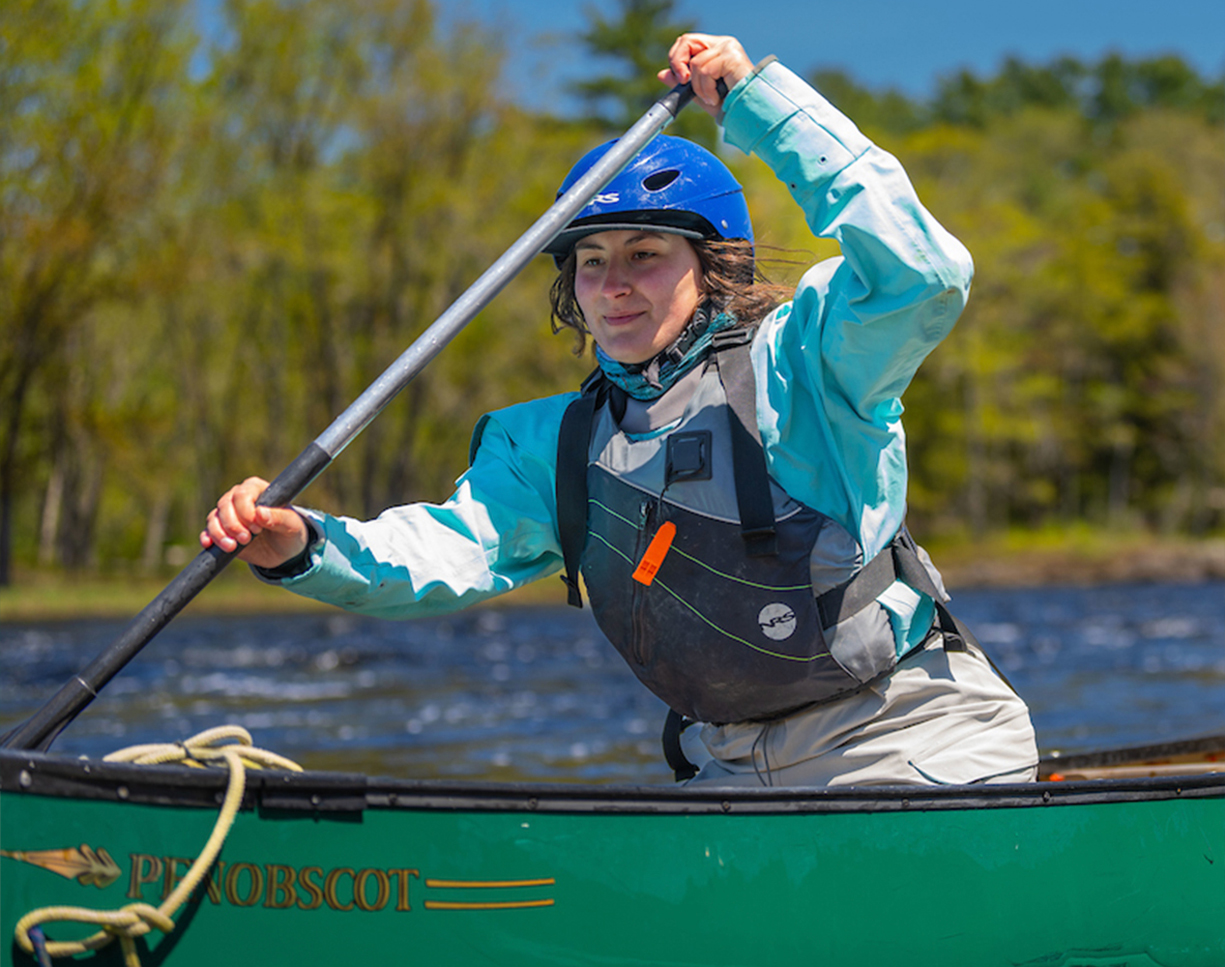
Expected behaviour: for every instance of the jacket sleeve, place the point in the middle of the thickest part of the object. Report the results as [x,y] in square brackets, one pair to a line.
[498,531]
[833,364]
[872,316]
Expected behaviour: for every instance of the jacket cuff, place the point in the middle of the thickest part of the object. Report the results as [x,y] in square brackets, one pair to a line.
[295,566]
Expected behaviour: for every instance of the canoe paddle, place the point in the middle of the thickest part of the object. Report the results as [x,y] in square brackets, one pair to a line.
[40,730]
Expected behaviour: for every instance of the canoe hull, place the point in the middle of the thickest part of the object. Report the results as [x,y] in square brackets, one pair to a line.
[324,867]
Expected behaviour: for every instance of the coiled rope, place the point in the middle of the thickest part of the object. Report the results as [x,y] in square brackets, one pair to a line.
[211,747]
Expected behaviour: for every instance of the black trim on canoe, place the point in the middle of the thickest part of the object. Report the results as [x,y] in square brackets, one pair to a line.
[346,795]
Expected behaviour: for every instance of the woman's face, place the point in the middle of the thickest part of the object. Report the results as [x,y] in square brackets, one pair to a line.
[637,289]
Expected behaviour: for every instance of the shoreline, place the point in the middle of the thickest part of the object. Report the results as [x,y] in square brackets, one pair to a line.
[1008,562]
[1002,562]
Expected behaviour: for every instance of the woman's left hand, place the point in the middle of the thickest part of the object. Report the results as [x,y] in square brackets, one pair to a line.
[705,60]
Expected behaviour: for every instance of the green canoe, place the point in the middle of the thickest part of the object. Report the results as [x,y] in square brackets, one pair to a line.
[323,868]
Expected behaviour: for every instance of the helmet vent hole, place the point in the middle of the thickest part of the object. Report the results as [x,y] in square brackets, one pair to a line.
[660,179]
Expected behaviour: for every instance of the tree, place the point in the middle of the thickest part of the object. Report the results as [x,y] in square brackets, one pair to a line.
[636,41]
[1076,386]
[86,93]
[199,268]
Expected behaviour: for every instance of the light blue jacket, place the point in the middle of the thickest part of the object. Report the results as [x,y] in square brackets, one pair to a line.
[831,367]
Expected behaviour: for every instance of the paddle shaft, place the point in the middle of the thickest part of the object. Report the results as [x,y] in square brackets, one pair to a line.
[40,730]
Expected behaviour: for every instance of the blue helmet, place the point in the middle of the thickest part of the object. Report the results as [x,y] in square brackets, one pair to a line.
[673,185]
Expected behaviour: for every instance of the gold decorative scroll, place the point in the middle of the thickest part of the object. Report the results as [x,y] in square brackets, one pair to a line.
[87,866]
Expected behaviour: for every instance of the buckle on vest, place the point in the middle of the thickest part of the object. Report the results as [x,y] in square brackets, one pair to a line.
[760,541]
[730,338]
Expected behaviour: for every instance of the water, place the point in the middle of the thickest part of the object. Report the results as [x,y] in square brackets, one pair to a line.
[537,694]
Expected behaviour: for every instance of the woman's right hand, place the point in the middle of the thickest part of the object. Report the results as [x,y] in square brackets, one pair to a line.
[704,60]
[267,536]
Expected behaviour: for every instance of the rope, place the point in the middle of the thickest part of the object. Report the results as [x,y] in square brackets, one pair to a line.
[136,919]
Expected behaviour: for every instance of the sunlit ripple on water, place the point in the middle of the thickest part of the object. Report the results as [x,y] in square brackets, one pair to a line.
[536,693]
[518,694]
[1110,665]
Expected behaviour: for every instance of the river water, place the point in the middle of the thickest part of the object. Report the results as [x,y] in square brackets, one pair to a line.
[524,693]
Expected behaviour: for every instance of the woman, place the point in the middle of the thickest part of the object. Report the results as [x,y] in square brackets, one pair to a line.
[732,480]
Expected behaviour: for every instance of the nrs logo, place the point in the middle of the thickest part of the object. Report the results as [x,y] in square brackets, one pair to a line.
[609,198]
[777,621]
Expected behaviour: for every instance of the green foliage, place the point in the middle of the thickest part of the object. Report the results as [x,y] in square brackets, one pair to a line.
[1106,93]
[206,285]
[87,94]
[1083,382]
[1076,386]
[1103,94]
[888,112]
[209,248]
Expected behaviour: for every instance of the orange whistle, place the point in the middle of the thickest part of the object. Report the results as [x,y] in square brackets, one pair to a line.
[657,550]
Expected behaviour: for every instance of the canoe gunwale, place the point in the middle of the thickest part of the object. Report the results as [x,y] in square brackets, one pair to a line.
[269,791]
[1179,751]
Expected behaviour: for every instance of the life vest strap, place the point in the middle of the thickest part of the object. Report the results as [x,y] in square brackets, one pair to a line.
[732,348]
[899,561]
[573,442]
[678,762]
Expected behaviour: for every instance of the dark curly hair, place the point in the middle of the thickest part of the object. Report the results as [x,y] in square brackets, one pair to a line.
[731,278]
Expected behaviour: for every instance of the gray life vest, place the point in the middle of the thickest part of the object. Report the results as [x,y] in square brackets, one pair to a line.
[729,599]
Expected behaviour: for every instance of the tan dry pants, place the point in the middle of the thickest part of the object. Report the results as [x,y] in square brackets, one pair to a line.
[939,718]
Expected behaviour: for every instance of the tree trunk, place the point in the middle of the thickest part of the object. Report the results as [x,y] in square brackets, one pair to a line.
[53,504]
[82,489]
[155,535]
[8,475]
[1119,485]
[976,461]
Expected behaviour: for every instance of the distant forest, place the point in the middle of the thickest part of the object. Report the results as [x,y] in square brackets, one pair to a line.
[209,245]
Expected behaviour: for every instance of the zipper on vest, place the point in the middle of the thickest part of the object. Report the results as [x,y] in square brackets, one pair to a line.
[638,645]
